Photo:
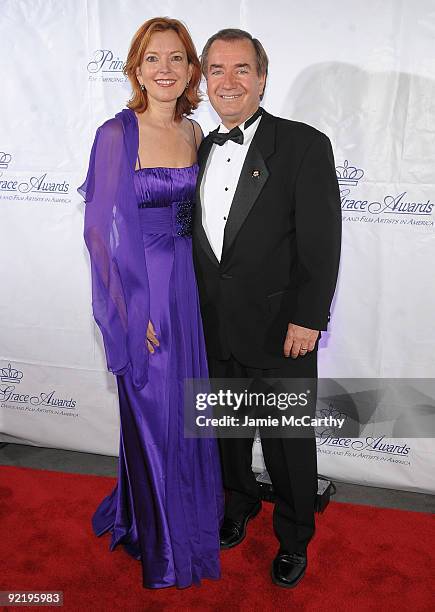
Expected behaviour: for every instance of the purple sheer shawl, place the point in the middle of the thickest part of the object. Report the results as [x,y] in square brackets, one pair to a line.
[120,292]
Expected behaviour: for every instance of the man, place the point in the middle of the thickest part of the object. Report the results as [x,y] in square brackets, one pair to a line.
[266,246]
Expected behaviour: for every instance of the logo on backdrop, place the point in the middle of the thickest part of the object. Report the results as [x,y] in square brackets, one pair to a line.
[379,449]
[390,209]
[106,67]
[5,159]
[10,375]
[46,401]
[40,187]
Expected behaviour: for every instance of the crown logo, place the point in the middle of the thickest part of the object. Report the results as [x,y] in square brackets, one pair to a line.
[5,158]
[330,411]
[10,375]
[348,175]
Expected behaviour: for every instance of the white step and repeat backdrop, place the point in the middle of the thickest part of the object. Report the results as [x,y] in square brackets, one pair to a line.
[361,71]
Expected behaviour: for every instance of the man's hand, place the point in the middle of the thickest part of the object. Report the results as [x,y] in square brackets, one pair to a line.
[299,340]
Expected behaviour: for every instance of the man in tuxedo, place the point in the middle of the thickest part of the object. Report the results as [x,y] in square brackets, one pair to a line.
[266,243]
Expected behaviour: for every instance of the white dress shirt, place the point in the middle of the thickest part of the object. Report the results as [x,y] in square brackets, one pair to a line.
[219,183]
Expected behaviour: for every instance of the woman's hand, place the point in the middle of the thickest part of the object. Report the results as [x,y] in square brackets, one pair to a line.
[151,338]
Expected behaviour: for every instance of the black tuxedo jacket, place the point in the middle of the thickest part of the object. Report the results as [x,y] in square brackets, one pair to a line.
[281,245]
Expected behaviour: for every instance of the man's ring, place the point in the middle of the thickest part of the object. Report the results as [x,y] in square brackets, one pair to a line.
[303,350]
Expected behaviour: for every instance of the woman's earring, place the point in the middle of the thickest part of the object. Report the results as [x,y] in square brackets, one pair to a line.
[142,87]
[187,85]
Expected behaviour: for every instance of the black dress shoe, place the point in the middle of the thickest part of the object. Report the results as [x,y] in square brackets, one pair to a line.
[288,568]
[233,532]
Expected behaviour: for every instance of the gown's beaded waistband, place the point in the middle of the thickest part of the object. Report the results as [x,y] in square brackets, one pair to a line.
[175,219]
[162,210]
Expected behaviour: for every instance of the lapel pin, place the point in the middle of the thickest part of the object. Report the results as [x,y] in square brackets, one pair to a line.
[256,173]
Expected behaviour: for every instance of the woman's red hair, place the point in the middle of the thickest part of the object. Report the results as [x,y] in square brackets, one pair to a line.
[190,98]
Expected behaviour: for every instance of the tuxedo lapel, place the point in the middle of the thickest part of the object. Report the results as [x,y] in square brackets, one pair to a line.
[198,228]
[252,179]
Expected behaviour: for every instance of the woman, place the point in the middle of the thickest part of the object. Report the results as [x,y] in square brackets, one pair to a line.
[168,503]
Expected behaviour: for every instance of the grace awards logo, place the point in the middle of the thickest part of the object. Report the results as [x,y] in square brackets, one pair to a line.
[106,67]
[390,209]
[38,188]
[16,398]
[331,441]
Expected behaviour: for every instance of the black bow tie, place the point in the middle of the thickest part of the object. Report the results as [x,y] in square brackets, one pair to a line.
[236,133]
[221,138]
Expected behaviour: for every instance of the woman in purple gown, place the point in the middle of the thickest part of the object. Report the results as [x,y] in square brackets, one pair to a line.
[168,502]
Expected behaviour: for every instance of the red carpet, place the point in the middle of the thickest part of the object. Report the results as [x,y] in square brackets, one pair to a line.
[362,558]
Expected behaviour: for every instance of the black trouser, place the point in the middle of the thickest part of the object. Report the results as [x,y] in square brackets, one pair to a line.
[290,462]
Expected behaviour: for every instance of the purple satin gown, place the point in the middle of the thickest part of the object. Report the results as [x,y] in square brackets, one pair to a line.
[168,502]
